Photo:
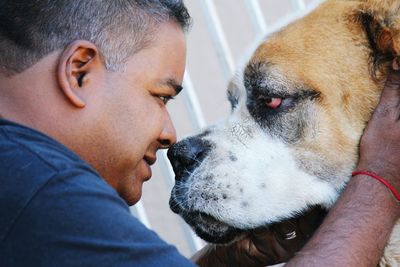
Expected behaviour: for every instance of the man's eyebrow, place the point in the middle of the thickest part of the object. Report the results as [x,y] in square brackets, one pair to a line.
[174,84]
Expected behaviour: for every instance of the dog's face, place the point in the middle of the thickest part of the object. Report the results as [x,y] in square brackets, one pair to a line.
[299,107]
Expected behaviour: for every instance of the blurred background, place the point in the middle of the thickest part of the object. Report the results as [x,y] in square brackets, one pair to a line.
[222,36]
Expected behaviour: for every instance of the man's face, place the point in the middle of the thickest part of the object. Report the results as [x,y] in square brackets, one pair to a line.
[133,122]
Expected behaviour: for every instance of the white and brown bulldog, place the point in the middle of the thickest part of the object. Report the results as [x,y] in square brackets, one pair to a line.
[299,108]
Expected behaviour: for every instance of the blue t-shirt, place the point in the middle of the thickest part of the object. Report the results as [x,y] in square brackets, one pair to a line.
[55,210]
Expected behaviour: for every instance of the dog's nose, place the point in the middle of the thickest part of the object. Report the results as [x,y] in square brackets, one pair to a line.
[187,155]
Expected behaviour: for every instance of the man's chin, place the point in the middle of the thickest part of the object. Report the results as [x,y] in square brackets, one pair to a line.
[132,197]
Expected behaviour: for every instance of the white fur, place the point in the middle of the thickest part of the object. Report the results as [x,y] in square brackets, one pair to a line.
[273,186]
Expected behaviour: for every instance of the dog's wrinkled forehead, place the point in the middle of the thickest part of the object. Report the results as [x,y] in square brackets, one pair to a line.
[278,104]
[263,75]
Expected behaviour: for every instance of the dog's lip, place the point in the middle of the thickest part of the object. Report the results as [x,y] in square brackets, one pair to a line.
[211,229]
[205,225]
[202,216]
[178,208]
[208,218]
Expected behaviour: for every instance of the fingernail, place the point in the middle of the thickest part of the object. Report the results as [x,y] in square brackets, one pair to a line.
[395,64]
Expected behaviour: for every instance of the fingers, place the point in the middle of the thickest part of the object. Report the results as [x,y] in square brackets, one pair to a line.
[395,64]
[390,96]
[289,235]
[267,245]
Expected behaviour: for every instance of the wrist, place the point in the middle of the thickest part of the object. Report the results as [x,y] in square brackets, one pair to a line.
[359,224]
[382,168]
[376,195]
[390,172]
[382,180]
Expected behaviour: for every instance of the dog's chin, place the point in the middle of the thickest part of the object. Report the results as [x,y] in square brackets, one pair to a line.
[206,226]
[211,229]
[215,231]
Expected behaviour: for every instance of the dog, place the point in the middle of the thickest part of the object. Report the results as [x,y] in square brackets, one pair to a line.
[299,107]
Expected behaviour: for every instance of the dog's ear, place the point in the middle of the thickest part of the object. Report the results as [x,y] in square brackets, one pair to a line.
[380,20]
[381,37]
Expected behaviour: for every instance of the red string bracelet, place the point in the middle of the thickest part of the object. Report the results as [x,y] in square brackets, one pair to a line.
[380,179]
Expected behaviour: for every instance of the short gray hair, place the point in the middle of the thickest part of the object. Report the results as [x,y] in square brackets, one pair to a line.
[31,29]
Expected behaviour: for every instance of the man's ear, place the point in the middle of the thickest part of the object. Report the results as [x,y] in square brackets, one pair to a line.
[76,64]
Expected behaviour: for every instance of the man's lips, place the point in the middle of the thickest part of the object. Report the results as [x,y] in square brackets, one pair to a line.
[148,174]
[149,160]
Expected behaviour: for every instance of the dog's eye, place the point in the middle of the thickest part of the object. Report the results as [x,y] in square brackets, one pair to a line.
[271,102]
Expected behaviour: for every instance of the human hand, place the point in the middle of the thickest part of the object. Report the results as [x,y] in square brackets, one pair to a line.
[264,246]
[380,143]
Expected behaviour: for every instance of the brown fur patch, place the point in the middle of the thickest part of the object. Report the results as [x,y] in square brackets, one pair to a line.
[343,51]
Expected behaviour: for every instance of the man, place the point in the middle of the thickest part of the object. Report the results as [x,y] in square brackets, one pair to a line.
[93,78]
[83,91]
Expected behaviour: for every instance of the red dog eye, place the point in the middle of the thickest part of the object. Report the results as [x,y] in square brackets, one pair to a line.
[273,102]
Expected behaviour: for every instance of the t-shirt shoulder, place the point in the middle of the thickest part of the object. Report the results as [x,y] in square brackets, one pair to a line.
[57,211]
[50,151]
[28,162]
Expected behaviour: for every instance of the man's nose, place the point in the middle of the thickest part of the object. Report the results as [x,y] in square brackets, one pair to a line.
[168,134]
[187,154]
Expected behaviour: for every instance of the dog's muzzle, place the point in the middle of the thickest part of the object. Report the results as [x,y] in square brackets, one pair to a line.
[185,156]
